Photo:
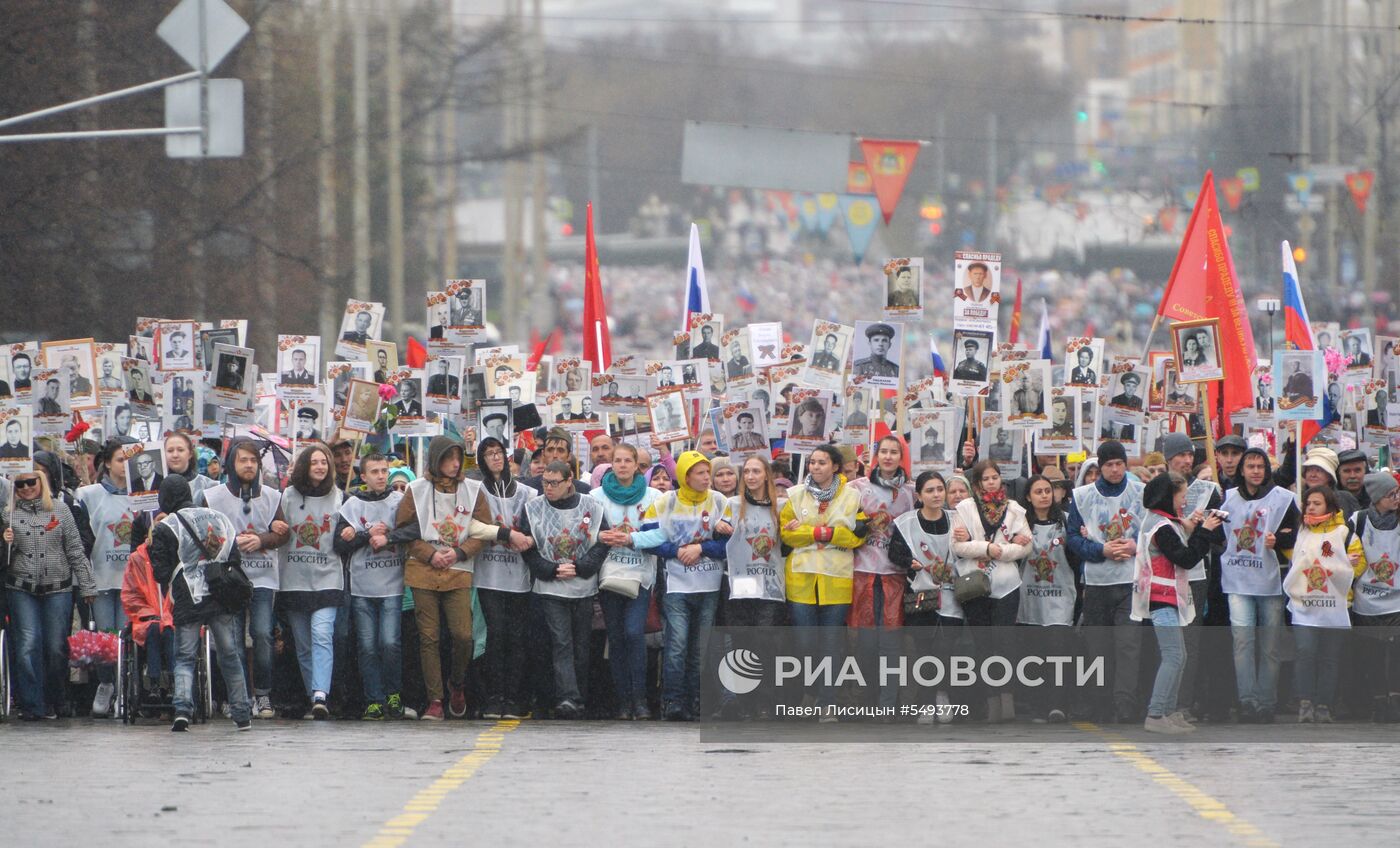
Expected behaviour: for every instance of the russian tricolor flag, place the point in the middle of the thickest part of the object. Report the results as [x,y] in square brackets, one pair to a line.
[1044,341]
[1298,334]
[939,369]
[697,296]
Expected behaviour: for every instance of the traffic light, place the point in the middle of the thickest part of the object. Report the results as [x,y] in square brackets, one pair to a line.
[1300,255]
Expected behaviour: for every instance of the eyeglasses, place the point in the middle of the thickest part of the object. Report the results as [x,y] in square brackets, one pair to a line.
[558,482]
[27,484]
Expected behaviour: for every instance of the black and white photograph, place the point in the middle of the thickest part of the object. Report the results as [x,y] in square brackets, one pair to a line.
[383,359]
[972,353]
[234,380]
[828,351]
[108,380]
[856,407]
[144,471]
[571,374]
[1121,425]
[904,289]
[22,364]
[443,385]
[1300,377]
[182,403]
[466,311]
[209,338]
[1327,334]
[308,421]
[976,290]
[363,407]
[809,421]
[1064,435]
[361,324]
[473,389]
[933,440]
[50,401]
[1084,357]
[76,360]
[1023,388]
[612,391]
[1158,362]
[705,333]
[409,387]
[338,377]
[495,421]
[174,341]
[669,415]
[1356,347]
[16,441]
[877,353]
[734,353]
[1263,390]
[1177,397]
[1127,387]
[745,429]
[298,367]
[573,409]
[1197,345]
[691,375]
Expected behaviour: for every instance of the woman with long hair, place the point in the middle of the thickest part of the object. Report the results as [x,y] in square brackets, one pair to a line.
[46,563]
[921,545]
[1047,585]
[755,551]
[313,582]
[180,458]
[877,597]
[997,539]
[112,519]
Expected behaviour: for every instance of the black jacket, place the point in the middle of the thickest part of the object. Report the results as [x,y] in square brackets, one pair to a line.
[164,551]
[585,566]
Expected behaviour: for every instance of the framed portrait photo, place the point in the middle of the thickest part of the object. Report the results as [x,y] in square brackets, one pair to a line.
[1197,345]
[670,421]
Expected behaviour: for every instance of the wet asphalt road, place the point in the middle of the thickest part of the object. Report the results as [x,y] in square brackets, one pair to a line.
[70,783]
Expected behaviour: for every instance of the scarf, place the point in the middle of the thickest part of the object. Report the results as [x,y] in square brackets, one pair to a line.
[894,484]
[1382,520]
[624,495]
[823,495]
[1317,520]
[992,507]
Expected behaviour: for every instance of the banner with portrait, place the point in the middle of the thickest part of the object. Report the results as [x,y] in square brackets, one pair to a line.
[904,289]
[16,441]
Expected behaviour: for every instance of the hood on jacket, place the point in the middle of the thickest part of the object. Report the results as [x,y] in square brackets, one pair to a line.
[502,486]
[439,448]
[1265,487]
[684,463]
[1159,494]
[175,494]
[1091,462]
[237,445]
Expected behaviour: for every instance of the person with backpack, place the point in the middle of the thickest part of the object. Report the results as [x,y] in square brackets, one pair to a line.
[186,548]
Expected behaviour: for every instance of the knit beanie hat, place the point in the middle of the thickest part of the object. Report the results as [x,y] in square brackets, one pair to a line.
[1111,450]
[1379,484]
[1175,444]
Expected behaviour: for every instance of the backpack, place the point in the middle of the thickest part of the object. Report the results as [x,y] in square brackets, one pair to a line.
[227,583]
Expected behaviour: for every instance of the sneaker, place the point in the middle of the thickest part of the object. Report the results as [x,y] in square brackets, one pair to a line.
[457,704]
[102,702]
[1323,714]
[373,712]
[318,706]
[1306,713]
[245,724]
[226,710]
[944,715]
[433,712]
[493,711]
[1164,726]
[409,714]
[1056,717]
[1179,719]
[1008,707]
[393,707]
[927,718]
[181,724]
[517,712]
[262,707]
[673,712]
[567,710]
[640,710]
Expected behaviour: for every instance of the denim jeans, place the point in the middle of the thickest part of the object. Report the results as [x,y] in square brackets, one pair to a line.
[822,634]
[314,632]
[261,620]
[1171,644]
[378,625]
[626,619]
[225,631]
[160,649]
[1256,619]
[688,617]
[1319,657]
[108,614]
[41,627]
[1108,607]
[570,625]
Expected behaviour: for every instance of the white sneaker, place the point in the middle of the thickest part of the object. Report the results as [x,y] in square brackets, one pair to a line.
[102,702]
[944,715]
[1164,726]
[410,714]
[262,707]
[1179,719]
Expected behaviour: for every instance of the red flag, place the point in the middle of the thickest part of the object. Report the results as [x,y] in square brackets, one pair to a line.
[1016,315]
[890,163]
[542,347]
[597,342]
[1203,285]
[417,354]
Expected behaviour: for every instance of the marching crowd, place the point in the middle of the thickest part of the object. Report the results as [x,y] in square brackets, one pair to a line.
[516,550]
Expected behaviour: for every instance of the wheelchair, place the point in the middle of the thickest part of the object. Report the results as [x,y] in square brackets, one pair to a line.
[133,698]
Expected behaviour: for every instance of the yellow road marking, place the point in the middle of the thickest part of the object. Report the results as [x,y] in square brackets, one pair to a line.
[397,830]
[1208,808]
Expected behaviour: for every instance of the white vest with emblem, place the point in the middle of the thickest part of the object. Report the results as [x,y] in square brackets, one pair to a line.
[624,561]
[686,524]
[825,558]
[1247,567]
[754,554]
[934,553]
[497,566]
[1144,579]
[110,517]
[214,543]
[565,535]
[1106,519]
[1375,592]
[260,566]
[1319,578]
[309,560]
[881,508]
[1047,581]
[445,518]
[1198,497]
[374,574]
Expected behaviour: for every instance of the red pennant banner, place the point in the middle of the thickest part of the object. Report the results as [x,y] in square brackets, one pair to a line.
[858,179]
[890,163]
[1359,183]
[1233,189]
